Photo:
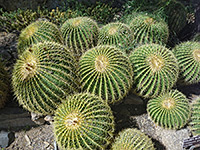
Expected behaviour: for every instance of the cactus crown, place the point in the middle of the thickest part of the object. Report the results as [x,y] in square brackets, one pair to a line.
[170,110]
[80,34]
[83,121]
[148,29]
[155,69]
[43,75]
[132,139]
[38,31]
[106,71]
[188,56]
[117,34]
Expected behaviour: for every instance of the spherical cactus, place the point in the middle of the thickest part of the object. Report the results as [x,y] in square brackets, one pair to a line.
[4,84]
[155,70]
[42,76]
[170,110]
[36,32]
[117,34]
[188,56]
[132,139]
[84,121]
[195,117]
[106,72]
[149,29]
[80,34]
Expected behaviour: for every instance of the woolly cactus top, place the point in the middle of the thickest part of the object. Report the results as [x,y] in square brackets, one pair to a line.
[106,71]
[38,31]
[83,121]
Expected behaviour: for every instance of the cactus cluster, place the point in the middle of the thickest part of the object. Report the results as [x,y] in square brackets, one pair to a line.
[84,121]
[170,110]
[188,56]
[148,29]
[155,70]
[117,34]
[42,76]
[80,34]
[106,72]
[132,139]
[195,117]
[4,85]
[36,32]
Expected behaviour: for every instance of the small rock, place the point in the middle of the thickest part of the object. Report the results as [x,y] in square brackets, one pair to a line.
[46,144]
[6,138]
[28,140]
[49,118]
[38,119]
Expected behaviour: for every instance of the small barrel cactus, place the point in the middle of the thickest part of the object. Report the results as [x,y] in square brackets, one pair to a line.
[36,32]
[42,76]
[4,85]
[170,110]
[195,117]
[117,34]
[84,121]
[106,72]
[80,34]
[149,29]
[132,139]
[188,56]
[155,70]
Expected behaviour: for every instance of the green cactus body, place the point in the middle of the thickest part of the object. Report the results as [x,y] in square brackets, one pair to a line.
[117,34]
[36,32]
[80,34]
[132,139]
[42,76]
[170,110]
[106,72]
[155,70]
[195,117]
[4,85]
[188,56]
[148,29]
[84,121]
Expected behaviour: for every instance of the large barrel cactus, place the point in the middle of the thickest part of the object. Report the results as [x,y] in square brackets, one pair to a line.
[44,75]
[84,121]
[80,34]
[4,85]
[132,139]
[117,34]
[36,32]
[170,110]
[106,72]
[188,56]
[195,117]
[148,29]
[155,70]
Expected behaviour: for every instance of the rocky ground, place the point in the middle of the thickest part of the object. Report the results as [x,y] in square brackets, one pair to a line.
[19,132]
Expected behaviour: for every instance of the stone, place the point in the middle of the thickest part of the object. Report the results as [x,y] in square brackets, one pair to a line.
[170,139]
[6,138]
[27,139]
[38,119]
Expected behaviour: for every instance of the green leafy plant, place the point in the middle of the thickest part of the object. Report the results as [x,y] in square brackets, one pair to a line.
[155,70]
[188,56]
[170,110]
[36,32]
[44,75]
[83,121]
[148,29]
[195,117]
[106,72]
[4,84]
[80,34]
[117,34]
[132,139]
